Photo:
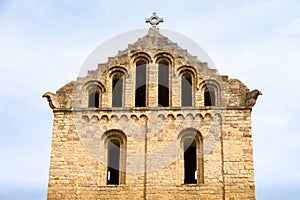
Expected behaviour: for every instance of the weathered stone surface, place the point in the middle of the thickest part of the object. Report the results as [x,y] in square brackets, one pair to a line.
[153,160]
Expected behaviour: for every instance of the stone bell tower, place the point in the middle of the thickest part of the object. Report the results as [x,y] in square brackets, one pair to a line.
[153,122]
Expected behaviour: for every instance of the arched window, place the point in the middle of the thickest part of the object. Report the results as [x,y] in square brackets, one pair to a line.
[140,84]
[192,146]
[211,92]
[186,89]
[94,97]
[117,90]
[163,84]
[190,161]
[115,143]
[93,91]
[209,97]
[113,162]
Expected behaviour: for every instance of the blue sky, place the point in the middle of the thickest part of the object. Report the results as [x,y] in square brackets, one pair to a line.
[44,43]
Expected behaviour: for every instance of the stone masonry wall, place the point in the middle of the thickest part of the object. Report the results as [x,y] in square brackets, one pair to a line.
[152,152]
[238,155]
[77,173]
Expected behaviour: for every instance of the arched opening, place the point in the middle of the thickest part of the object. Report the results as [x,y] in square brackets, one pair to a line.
[209,97]
[115,143]
[211,92]
[117,90]
[93,90]
[186,89]
[192,147]
[163,84]
[113,162]
[140,84]
[190,162]
[94,99]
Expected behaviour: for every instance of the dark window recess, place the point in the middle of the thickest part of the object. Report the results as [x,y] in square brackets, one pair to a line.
[163,84]
[117,91]
[113,155]
[140,84]
[94,100]
[190,162]
[186,90]
[209,98]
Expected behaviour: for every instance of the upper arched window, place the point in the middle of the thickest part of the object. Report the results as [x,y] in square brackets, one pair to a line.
[117,90]
[211,92]
[186,89]
[209,97]
[94,99]
[140,83]
[163,83]
[192,146]
[93,90]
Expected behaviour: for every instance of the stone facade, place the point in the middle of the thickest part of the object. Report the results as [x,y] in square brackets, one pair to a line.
[151,139]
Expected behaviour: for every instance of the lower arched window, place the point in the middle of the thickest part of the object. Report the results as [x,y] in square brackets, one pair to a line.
[115,143]
[113,162]
[190,161]
[192,147]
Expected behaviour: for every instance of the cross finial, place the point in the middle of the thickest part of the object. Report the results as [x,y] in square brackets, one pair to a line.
[154,20]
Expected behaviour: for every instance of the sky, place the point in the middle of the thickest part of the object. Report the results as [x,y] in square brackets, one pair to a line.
[43,45]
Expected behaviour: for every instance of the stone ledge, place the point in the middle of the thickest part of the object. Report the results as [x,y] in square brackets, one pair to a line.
[130,109]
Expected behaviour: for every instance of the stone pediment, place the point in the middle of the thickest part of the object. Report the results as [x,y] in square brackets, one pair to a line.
[152,122]
[153,47]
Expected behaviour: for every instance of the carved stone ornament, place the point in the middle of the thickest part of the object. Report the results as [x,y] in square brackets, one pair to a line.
[53,100]
[154,20]
[251,97]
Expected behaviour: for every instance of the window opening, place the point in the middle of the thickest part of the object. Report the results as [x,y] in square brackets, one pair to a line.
[117,91]
[190,162]
[113,162]
[140,84]
[163,84]
[186,90]
[94,100]
[209,98]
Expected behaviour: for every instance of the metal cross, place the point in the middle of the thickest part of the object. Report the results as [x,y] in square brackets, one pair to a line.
[154,20]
